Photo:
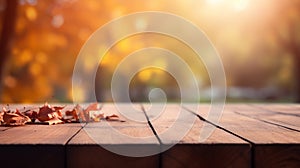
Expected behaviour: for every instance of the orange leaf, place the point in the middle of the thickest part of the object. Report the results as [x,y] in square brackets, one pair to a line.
[14,118]
[47,113]
[113,117]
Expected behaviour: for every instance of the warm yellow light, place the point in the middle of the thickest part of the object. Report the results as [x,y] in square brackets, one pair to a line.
[31,13]
[25,57]
[237,5]
[35,68]
[78,94]
[213,2]
[240,5]
[145,75]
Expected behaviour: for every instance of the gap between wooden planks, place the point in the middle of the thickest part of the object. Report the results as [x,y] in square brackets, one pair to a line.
[273,145]
[287,116]
[227,148]
[36,145]
[168,121]
[127,138]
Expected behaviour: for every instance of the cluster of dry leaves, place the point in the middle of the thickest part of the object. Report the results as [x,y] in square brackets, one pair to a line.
[54,115]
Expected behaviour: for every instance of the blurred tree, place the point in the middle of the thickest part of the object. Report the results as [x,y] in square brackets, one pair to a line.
[7,31]
[256,49]
[286,27]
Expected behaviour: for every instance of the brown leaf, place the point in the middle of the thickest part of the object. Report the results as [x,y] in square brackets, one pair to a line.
[31,114]
[113,117]
[53,115]
[14,118]
[92,107]
[96,116]
[80,113]
[83,114]
[71,115]
[47,113]
[1,116]
[58,108]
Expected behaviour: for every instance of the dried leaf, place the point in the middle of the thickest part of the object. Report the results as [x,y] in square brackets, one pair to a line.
[71,115]
[47,113]
[31,114]
[58,108]
[83,114]
[91,107]
[53,115]
[80,113]
[96,116]
[1,116]
[14,118]
[113,117]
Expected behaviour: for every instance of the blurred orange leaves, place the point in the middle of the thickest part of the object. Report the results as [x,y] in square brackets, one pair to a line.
[49,35]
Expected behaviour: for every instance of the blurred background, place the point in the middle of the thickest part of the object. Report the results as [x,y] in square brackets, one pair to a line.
[258,42]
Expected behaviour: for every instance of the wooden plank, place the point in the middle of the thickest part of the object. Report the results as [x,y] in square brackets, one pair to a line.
[267,139]
[252,129]
[135,132]
[271,115]
[191,151]
[207,155]
[284,108]
[275,155]
[3,128]
[94,145]
[283,154]
[40,134]
[33,156]
[35,145]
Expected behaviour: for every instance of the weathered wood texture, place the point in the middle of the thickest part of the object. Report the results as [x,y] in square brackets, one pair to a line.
[288,117]
[90,147]
[273,145]
[173,123]
[247,135]
[35,145]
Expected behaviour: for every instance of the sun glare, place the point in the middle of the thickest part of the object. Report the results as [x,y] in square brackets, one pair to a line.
[237,5]
[240,5]
[213,2]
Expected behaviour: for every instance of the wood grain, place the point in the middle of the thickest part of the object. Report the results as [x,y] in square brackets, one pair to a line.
[103,138]
[3,128]
[267,138]
[35,145]
[285,116]
[191,150]
[39,134]
[252,129]
[247,135]
[289,108]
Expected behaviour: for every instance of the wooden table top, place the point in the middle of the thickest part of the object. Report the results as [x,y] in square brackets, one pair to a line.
[246,135]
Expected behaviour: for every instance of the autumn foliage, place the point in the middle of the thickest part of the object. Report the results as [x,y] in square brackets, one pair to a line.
[48,114]
[257,42]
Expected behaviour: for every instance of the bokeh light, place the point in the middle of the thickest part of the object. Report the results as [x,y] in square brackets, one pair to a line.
[257,41]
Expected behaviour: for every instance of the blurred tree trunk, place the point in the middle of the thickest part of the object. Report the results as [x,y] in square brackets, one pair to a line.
[8,25]
[292,43]
[296,51]
[293,46]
